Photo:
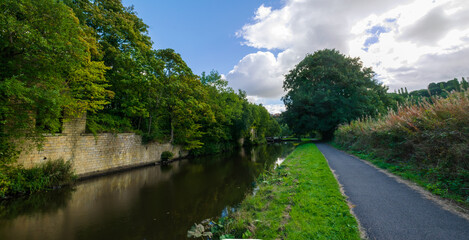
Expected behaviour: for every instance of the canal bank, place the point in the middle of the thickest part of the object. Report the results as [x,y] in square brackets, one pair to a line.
[154,202]
[95,154]
[299,200]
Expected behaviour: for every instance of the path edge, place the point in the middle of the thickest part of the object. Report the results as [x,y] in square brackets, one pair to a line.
[441,202]
[361,229]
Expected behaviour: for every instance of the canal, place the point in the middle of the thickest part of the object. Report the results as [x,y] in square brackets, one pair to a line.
[156,202]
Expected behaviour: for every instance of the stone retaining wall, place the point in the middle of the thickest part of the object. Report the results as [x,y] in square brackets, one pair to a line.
[98,154]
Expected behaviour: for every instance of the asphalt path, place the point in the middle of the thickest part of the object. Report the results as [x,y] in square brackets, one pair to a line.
[388,209]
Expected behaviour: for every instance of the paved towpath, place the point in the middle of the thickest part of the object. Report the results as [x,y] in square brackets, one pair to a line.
[388,209]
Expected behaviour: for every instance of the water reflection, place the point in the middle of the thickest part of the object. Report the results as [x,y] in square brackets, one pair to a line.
[279,162]
[149,203]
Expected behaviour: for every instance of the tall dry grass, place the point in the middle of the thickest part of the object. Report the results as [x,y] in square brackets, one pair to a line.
[431,136]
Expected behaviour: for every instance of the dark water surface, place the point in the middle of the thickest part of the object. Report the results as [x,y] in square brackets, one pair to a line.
[157,202]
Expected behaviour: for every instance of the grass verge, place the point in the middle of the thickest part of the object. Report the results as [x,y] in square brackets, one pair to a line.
[421,176]
[298,200]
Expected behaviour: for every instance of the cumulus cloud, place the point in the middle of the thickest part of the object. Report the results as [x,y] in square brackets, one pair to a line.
[258,74]
[275,108]
[433,68]
[409,43]
[262,12]
[422,44]
[429,29]
[271,105]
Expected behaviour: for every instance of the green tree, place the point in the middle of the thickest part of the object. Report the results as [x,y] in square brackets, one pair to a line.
[326,89]
[183,106]
[126,48]
[273,128]
[453,85]
[226,106]
[435,89]
[464,84]
[46,67]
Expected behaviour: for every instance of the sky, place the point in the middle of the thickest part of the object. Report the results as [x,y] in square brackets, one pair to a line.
[254,43]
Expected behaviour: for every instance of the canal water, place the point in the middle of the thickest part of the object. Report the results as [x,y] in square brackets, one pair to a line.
[157,202]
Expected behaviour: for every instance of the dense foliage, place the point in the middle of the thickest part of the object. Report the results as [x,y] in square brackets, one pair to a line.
[326,89]
[429,139]
[156,93]
[46,67]
[62,58]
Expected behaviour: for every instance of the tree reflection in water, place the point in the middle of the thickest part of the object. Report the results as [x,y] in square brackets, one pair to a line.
[158,202]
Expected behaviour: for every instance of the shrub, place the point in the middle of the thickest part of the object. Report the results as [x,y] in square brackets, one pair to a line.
[166,155]
[5,184]
[59,172]
[18,180]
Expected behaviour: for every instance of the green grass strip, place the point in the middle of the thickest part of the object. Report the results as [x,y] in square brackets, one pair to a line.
[299,200]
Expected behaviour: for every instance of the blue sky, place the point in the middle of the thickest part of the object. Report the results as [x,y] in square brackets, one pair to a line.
[203,32]
[254,43]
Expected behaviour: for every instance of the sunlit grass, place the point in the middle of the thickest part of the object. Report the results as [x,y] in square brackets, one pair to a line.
[299,200]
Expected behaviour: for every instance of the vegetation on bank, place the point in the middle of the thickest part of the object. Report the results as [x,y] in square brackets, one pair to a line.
[426,142]
[298,200]
[61,59]
[20,181]
[104,64]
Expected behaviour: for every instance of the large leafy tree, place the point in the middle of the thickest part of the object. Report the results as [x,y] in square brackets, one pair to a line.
[126,48]
[183,107]
[327,88]
[226,107]
[46,67]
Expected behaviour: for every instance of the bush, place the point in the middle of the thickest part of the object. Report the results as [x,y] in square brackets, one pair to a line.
[166,155]
[20,181]
[5,184]
[59,172]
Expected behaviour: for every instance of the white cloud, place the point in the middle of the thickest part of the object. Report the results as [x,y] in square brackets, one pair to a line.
[258,74]
[275,108]
[270,105]
[262,12]
[424,37]
[409,43]
[428,29]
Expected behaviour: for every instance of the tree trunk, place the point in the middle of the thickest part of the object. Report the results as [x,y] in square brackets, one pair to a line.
[149,125]
[172,131]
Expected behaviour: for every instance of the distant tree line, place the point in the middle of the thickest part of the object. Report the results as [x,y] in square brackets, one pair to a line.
[441,89]
[60,59]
